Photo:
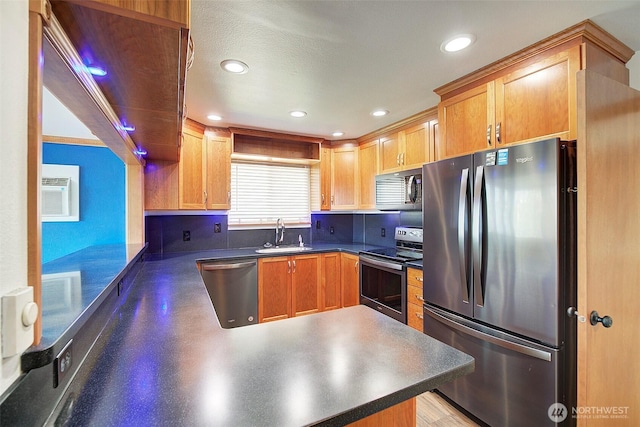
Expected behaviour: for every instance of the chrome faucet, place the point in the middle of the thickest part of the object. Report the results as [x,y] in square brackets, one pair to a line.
[279,231]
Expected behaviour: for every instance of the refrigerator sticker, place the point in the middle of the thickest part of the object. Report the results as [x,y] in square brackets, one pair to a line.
[503,157]
[490,159]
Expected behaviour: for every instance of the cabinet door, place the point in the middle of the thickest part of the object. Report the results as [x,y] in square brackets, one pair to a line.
[305,284]
[390,153]
[350,280]
[274,288]
[325,178]
[368,161]
[218,173]
[344,177]
[467,121]
[192,171]
[538,101]
[331,266]
[416,146]
[161,185]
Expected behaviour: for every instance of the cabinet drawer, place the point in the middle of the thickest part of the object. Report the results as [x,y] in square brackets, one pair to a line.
[414,295]
[415,316]
[414,277]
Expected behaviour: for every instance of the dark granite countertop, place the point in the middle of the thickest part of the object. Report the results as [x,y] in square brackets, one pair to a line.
[166,361]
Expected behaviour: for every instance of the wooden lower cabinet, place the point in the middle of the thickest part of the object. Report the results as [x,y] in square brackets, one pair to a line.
[331,266]
[274,289]
[288,286]
[291,286]
[401,415]
[350,281]
[415,299]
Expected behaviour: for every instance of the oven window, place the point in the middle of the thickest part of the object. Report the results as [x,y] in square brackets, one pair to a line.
[382,286]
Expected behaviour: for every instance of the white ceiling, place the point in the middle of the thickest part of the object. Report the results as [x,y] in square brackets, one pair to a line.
[339,60]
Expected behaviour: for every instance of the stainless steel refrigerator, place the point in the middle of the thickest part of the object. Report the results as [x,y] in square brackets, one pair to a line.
[499,275]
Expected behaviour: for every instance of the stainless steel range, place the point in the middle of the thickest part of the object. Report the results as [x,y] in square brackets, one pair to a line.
[383,273]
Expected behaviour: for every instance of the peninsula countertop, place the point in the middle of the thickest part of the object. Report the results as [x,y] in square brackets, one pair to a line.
[166,361]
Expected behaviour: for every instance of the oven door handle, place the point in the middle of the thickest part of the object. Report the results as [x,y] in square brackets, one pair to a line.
[380,263]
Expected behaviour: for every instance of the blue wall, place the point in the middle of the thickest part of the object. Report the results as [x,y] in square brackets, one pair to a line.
[102,201]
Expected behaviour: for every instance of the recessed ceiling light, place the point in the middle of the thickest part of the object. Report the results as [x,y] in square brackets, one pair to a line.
[379,113]
[214,117]
[457,43]
[298,113]
[234,66]
[337,134]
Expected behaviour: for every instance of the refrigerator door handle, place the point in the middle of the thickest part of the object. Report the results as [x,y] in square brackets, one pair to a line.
[476,231]
[462,216]
[509,345]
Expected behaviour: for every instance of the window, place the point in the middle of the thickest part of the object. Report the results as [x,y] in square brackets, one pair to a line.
[263,192]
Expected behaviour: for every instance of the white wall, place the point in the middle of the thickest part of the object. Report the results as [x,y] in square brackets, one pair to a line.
[634,71]
[14,70]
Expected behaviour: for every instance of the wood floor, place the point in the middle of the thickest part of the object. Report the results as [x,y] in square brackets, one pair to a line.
[433,411]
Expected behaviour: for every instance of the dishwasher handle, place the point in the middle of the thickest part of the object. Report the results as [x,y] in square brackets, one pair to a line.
[214,267]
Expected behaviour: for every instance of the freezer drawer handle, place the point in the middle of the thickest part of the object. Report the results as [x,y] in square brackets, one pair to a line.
[606,321]
[529,351]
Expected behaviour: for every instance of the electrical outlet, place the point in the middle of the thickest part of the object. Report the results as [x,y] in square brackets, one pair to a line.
[383,232]
[217,228]
[331,230]
[186,236]
[62,364]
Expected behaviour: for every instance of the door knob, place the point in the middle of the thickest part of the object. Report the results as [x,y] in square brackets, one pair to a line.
[595,319]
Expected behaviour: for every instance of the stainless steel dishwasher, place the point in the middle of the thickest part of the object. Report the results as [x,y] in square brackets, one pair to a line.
[233,289]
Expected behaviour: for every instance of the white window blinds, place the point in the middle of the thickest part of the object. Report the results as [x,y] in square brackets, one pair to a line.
[262,193]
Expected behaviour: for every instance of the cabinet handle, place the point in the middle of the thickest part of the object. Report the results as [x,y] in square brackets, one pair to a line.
[489,135]
[419,279]
[498,127]
[322,198]
[419,316]
[332,200]
[398,159]
[402,159]
[419,298]
[288,266]
[206,197]
[357,263]
[228,196]
[294,266]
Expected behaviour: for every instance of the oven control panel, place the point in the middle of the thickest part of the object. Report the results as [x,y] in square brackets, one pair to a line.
[409,234]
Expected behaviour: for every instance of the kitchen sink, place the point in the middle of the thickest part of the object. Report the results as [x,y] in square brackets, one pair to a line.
[283,249]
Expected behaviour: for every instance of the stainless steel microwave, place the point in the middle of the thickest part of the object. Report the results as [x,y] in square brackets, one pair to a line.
[399,190]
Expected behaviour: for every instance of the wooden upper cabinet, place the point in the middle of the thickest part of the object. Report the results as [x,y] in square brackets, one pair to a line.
[408,148]
[192,167]
[539,100]
[368,161]
[466,119]
[390,153]
[218,173]
[161,184]
[529,95]
[344,177]
[325,178]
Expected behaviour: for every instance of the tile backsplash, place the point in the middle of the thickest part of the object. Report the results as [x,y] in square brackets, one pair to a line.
[184,233]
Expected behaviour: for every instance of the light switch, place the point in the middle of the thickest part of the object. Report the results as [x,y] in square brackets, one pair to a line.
[19,313]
